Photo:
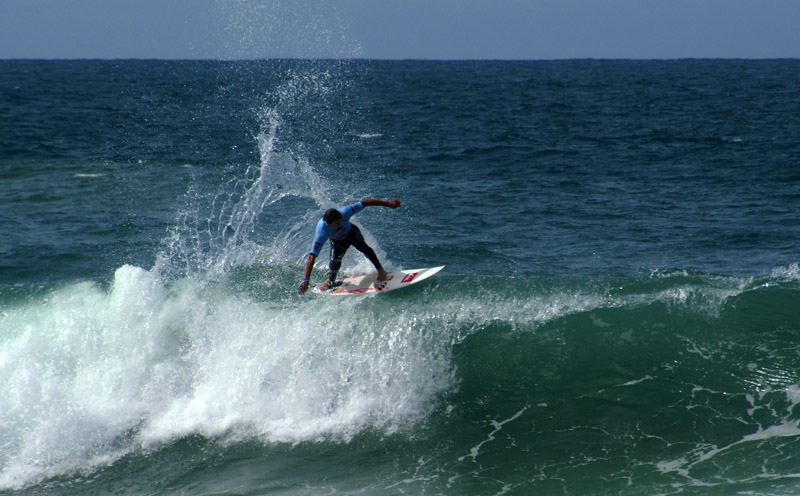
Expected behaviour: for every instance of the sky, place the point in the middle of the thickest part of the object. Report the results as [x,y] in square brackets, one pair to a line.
[399,29]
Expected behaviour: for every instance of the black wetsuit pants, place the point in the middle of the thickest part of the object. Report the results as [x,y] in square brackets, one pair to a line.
[339,248]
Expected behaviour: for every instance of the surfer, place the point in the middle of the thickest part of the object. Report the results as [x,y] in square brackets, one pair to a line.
[335,225]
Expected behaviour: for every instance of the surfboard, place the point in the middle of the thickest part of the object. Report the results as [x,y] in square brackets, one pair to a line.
[366,283]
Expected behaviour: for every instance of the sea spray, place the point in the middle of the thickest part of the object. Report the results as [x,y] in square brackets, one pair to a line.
[213,233]
[243,219]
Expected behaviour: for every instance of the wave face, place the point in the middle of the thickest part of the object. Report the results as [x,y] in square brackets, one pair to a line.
[487,382]
[618,314]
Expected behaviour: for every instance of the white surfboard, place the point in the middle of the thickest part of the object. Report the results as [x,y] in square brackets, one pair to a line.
[366,284]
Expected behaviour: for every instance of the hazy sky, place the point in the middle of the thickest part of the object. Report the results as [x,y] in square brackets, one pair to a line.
[392,29]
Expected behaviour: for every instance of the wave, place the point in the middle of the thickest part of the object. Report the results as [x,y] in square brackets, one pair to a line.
[92,373]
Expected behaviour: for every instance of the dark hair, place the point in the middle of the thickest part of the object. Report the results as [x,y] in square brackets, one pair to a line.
[331,215]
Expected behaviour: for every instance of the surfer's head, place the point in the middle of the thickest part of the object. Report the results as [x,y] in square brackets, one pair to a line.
[331,216]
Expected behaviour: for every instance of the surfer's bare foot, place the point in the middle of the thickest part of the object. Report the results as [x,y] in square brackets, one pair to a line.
[382,275]
[325,284]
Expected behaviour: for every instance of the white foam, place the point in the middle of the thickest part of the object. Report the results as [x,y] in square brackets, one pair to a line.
[91,374]
[788,273]
[497,427]
[634,382]
[786,427]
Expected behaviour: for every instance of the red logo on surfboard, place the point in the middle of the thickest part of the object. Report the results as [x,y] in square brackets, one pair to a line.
[409,277]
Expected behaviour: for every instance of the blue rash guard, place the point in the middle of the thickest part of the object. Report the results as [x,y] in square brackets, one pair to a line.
[324,232]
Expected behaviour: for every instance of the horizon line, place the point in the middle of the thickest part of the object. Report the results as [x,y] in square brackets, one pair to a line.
[409,59]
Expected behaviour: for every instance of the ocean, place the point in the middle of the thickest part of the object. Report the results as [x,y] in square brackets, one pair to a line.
[619,313]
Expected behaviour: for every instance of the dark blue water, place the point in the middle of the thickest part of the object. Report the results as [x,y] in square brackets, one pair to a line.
[619,312]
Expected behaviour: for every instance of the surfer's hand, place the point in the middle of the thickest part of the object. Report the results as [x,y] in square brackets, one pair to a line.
[393,204]
[303,287]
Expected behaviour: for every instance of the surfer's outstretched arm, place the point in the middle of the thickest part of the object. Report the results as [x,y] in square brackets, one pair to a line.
[307,275]
[372,202]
